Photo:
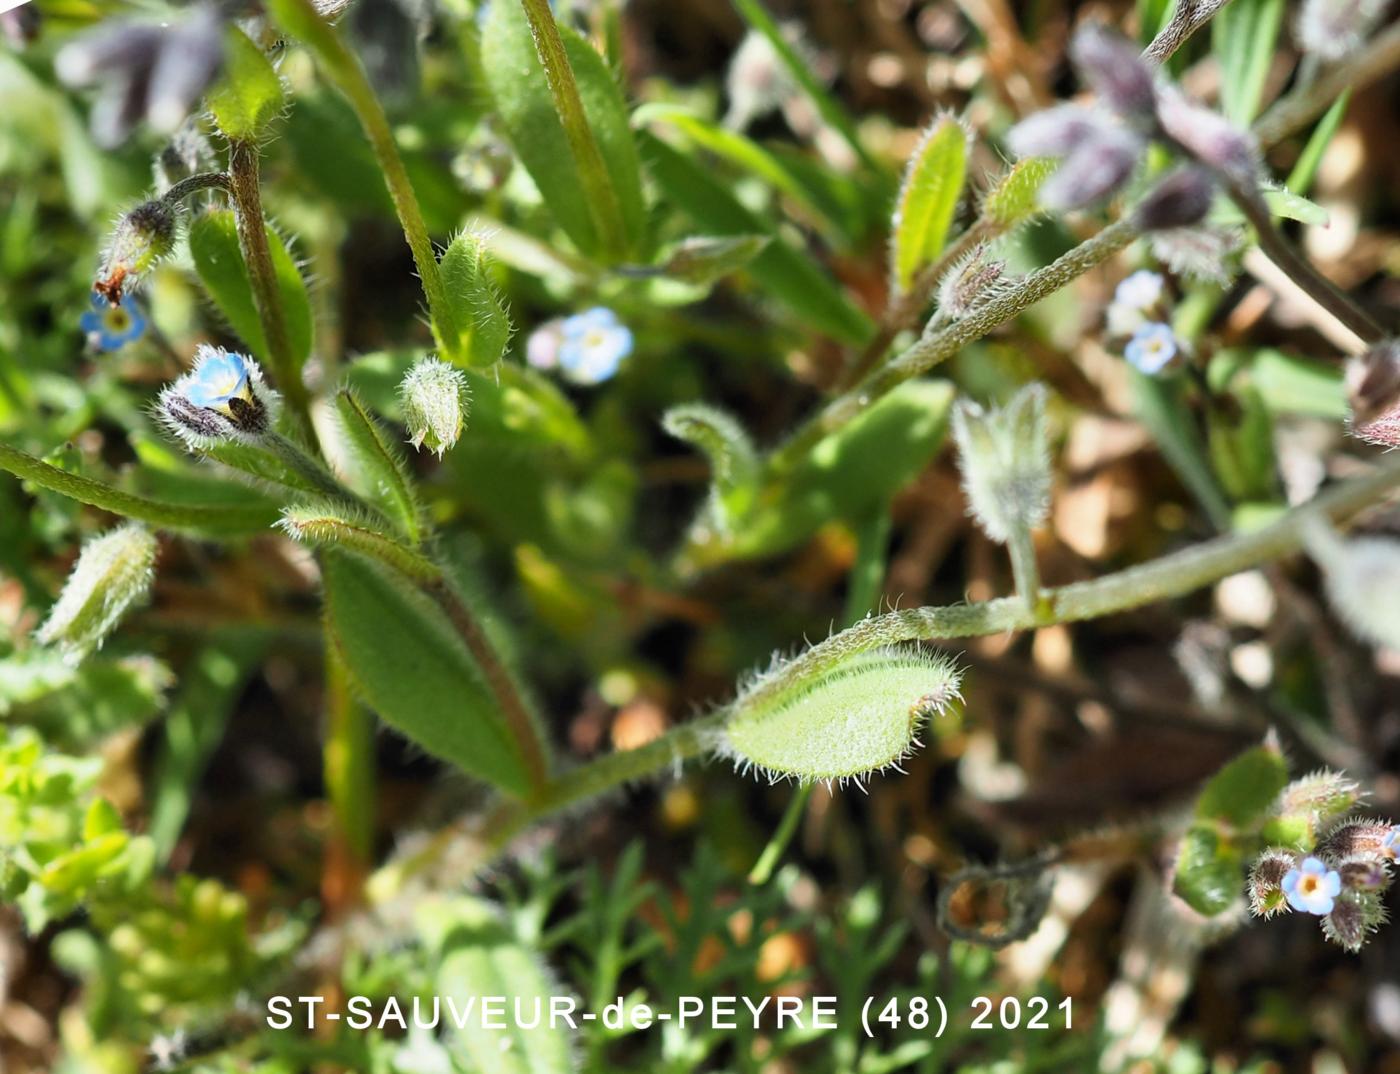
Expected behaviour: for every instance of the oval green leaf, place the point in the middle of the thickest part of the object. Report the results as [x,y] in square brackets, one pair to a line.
[928,198]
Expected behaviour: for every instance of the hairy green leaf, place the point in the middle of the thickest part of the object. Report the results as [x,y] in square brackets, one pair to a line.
[249,95]
[928,198]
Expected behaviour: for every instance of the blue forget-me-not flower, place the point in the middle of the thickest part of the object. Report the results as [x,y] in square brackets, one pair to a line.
[222,397]
[1312,887]
[592,345]
[1152,348]
[112,327]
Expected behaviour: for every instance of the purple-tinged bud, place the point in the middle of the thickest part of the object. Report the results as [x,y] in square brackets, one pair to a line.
[1266,896]
[1208,136]
[1332,30]
[21,25]
[1094,169]
[189,61]
[1181,199]
[1111,64]
[223,398]
[969,283]
[1363,874]
[1055,131]
[1373,388]
[1354,916]
[1359,838]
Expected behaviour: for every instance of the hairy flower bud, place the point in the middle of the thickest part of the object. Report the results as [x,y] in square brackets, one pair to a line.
[1354,916]
[857,718]
[1363,576]
[141,238]
[1005,462]
[1179,200]
[222,398]
[187,152]
[1111,64]
[1363,874]
[1319,796]
[113,572]
[1266,896]
[1208,136]
[435,400]
[1094,169]
[1333,29]
[1055,131]
[1360,838]
[1202,253]
[968,284]
[1373,388]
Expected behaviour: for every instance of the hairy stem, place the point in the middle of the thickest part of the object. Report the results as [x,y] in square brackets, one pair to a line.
[908,307]
[583,147]
[348,74]
[252,237]
[1301,271]
[232,517]
[1024,568]
[1187,17]
[195,183]
[348,766]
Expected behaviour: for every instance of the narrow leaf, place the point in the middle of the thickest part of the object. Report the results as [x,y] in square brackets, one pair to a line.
[1243,36]
[928,198]
[380,461]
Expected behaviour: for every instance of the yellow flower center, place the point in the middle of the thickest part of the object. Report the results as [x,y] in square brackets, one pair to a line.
[117,319]
[1309,883]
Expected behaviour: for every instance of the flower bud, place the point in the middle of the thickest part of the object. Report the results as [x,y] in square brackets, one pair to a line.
[1181,199]
[968,284]
[187,153]
[1354,916]
[1363,874]
[1053,132]
[222,398]
[113,572]
[1373,388]
[1201,253]
[1111,64]
[1208,136]
[141,238]
[1333,29]
[1319,796]
[993,906]
[1266,896]
[1360,838]
[857,718]
[435,401]
[1005,462]
[1363,576]
[1094,169]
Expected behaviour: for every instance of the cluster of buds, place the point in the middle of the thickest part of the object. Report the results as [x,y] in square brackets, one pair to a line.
[155,72]
[222,398]
[1102,145]
[1341,881]
[975,279]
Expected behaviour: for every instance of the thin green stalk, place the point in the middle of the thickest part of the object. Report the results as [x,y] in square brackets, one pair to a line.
[348,763]
[306,467]
[252,237]
[583,147]
[782,836]
[193,184]
[868,572]
[231,517]
[344,69]
[1024,569]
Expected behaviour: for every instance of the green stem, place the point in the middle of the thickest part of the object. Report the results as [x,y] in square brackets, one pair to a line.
[588,162]
[252,237]
[345,70]
[301,463]
[782,836]
[348,762]
[1024,569]
[233,517]
[195,183]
